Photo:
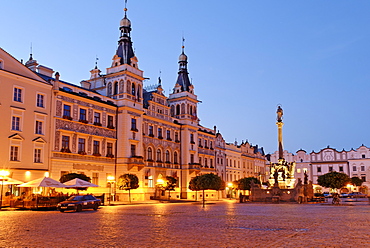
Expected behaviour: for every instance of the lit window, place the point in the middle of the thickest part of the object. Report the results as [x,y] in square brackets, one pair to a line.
[40,100]
[16,123]
[37,155]
[95,178]
[14,153]
[17,97]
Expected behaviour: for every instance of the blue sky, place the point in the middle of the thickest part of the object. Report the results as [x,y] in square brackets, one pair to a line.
[245,58]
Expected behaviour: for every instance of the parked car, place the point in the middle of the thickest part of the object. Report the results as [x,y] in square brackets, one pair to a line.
[357,195]
[327,194]
[343,195]
[78,203]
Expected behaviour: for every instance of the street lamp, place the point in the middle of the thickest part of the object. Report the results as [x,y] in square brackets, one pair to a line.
[230,186]
[3,175]
[110,181]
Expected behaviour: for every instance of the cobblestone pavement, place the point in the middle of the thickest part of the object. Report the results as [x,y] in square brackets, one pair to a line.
[220,224]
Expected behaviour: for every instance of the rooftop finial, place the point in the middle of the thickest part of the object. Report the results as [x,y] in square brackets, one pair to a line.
[31,52]
[125,9]
[96,62]
[183,43]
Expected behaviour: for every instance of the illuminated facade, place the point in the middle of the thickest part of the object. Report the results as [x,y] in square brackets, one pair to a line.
[111,125]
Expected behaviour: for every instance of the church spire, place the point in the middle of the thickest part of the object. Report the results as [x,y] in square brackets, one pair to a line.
[183,77]
[125,50]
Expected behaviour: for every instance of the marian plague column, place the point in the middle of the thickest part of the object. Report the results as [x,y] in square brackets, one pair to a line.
[282,172]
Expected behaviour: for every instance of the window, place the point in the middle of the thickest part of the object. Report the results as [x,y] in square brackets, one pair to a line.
[14,150]
[151,131]
[40,100]
[66,110]
[81,145]
[363,178]
[16,123]
[168,156]
[95,178]
[318,169]
[177,136]
[133,150]
[354,168]
[200,142]
[109,148]
[38,127]
[110,121]
[330,168]
[211,144]
[150,182]
[160,133]
[159,158]
[150,154]
[175,158]
[96,118]
[362,168]
[133,89]
[200,160]
[211,163]
[17,97]
[133,124]
[192,138]
[37,156]
[205,144]
[205,162]
[341,168]
[363,155]
[96,147]
[192,158]
[65,144]
[168,134]
[83,114]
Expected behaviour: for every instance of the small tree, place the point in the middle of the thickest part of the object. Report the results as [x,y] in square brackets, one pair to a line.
[128,182]
[205,182]
[170,185]
[356,181]
[333,180]
[245,183]
[193,185]
[71,176]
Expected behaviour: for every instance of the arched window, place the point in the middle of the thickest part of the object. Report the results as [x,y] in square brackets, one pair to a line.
[168,156]
[172,110]
[109,89]
[128,85]
[150,153]
[121,86]
[183,108]
[138,93]
[159,158]
[178,109]
[133,89]
[191,110]
[115,88]
[175,157]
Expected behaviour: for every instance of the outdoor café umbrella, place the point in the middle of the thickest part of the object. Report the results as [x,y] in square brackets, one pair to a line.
[79,183]
[43,182]
[9,181]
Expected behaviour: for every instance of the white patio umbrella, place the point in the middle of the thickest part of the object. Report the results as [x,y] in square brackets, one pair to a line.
[78,183]
[9,181]
[43,182]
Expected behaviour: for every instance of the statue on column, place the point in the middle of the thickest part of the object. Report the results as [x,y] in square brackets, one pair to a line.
[279,113]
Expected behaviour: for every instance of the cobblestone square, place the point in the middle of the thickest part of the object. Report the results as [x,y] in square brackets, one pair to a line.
[219,224]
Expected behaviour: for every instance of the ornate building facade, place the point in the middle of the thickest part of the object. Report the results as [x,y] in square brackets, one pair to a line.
[111,125]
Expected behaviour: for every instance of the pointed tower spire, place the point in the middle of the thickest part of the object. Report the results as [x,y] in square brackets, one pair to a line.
[125,50]
[183,77]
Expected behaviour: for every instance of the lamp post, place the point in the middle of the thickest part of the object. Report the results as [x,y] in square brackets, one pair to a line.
[3,175]
[110,181]
[230,186]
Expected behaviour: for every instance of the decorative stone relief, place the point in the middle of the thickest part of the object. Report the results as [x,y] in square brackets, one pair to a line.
[91,115]
[57,138]
[74,142]
[59,108]
[103,147]
[89,141]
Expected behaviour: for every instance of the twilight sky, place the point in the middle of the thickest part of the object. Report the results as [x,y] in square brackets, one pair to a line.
[245,58]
